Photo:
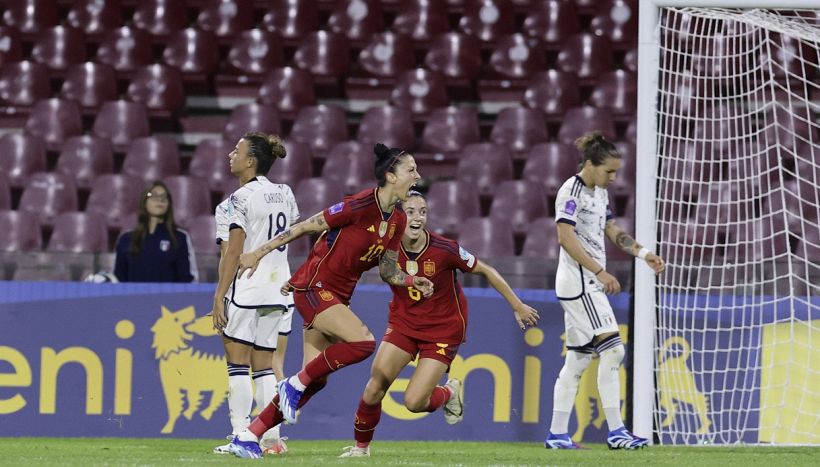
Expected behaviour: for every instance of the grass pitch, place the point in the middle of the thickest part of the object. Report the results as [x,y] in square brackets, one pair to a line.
[167,452]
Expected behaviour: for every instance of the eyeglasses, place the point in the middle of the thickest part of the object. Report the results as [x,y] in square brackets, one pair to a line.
[158,197]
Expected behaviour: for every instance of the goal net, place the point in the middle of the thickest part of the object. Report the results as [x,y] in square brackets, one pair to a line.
[737,317]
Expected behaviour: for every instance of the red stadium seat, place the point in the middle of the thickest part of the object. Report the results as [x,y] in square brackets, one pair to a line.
[456,56]
[90,84]
[255,53]
[151,158]
[117,198]
[22,231]
[95,17]
[59,48]
[512,62]
[486,238]
[321,127]
[85,158]
[519,128]
[159,87]
[121,121]
[226,18]
[55,120]
[422,19]
[587,56]
[5,193]
[392,126]
[30,16]
[551,22]
[125,49]
[617,91]
[11,46]
[631,59]
[21,85]
[542,239]
[617,20]
[582,120]
[79,232]
[292,19]
[192,51]
[48,194]
[191,197]
[210,162]
[315,194]
[517,202]
[202,231]
[288,89]
[450,129]
[297,166]
[350,165]
[356,19]
[551,164]
[487,19]
[161,17]
[486,165]
[20,156]
[553,92]
[326,55]
[380,62]
[450,203]
[252,117]
[419,90]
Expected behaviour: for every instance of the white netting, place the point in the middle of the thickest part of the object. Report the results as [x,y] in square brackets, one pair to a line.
[738,348]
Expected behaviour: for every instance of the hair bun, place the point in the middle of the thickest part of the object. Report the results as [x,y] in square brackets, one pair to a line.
[381,150]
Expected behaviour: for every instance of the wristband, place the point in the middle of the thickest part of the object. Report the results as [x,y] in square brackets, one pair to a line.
[642,253]
[408,281]
[599,271]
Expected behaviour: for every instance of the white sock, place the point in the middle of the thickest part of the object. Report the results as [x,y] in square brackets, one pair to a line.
[240,396]
[566,387]
[609,385]
[296,383]
[246,435]
[265,381]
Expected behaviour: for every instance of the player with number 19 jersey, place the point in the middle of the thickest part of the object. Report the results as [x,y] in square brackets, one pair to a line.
[442,317]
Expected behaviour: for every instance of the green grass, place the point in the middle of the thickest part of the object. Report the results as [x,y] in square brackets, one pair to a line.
[118,451]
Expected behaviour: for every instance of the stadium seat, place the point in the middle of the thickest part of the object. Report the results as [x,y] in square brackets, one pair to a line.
[252,117]
[326,55]
[542,239]
[486,165]
[11,46]
[450,203]
[617,20]
[20,156]
[297,166]
[125,49]
[59,48]
[292,19]
[321,127]
[519,128]
[586,55]
[121,121]
[226,18]
[631,133]
[30,16]
[253,54]
[512,62]
[161,18]
[617,91]
[21,231]
[79,232]
[315,194]
[48,194]
[392,126]
[117,198]
[456,56]
[356,19]
[422,20]
[288,89]
[192,52]
[449,129]
[551,22]
[631,59]
[486,238]
[487,19]
[159,88]
[627,173]
[553,92]
[350,165]
[191,197]
[517,202]
[551,164]
[210,162]
[386,56]
[5,193]
[90,84]
[55,120]
[95,17]
[581,120]
[151,158]
[85,158]
[419,90]
[202,230]
[21,85]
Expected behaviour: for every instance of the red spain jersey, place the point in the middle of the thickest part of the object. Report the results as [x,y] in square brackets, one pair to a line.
[442,317]
[359,234]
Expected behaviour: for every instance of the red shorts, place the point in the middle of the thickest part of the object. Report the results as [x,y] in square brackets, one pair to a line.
[444,353]
[309,303]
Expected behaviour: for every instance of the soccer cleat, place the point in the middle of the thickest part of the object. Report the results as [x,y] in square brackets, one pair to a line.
[274,446]
[245,449]
[454,407]
[560,442]
[288,400]
[223,449]
[353,451]
[623,439]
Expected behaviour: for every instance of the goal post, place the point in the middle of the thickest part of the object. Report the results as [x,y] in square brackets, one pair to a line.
[728,148]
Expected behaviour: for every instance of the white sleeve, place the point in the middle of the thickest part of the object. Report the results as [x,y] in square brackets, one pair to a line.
[566,205]
[240,205]
[294,209]
[223,220]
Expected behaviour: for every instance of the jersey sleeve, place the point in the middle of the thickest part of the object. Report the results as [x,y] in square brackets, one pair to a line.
[294,208]
[340,214]
[239,207]
[566,206]
[465,261]
[222,218]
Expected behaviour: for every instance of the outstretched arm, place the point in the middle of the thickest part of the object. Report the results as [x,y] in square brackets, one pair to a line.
[626,243]
[569,242]
[251,260]
[524,314]
[391,273]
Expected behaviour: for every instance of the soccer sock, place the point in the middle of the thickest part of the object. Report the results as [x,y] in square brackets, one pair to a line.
[265,381]
[566,387]
[240,396]
[364,427]
[271,416]
[335,357]
[611,353]
[439,397]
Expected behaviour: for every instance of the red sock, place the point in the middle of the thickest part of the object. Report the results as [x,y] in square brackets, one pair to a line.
[439,397]
[270,416]
[364,426]
[335,357]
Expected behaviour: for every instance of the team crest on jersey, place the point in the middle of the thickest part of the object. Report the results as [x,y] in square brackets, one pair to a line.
[570,207]
[164,245]
[429,267]
[391,231]
[325,295]
[336,208]
[412,268]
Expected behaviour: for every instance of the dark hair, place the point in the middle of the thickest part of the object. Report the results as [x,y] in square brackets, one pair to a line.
[265,148]
[386,160]
[595,148]
[141,229]
[413,193]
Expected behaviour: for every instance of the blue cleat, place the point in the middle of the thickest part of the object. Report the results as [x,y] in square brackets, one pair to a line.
[288,400]
[560,442]
[245,449]
[623,439]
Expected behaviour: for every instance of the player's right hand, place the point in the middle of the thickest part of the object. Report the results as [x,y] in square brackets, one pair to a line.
[423,285]
[247,261]
[610,283]
[218,314]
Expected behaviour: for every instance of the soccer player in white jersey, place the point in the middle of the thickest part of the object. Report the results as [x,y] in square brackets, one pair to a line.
[583,219]
[253,317]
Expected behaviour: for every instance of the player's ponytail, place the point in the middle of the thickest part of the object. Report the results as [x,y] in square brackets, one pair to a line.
[595,148]
[265,148]
[386,161]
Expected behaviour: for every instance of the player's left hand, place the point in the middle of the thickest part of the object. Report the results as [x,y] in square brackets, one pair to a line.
[218,314]
[655,262]
[526,315]
[423,285]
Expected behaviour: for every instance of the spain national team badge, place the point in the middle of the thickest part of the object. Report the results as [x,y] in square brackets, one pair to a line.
[429,267]
[391,231]
[382,228]
[325,295]
[412,268]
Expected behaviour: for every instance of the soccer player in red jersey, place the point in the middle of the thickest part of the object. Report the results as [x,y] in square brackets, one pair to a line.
[430,327]
[358,233]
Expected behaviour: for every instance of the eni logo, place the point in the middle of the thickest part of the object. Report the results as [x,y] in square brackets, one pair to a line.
[676,384]
[184,370]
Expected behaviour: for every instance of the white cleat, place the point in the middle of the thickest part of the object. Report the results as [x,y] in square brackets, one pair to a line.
[223,449]
[353,451]
[454,407]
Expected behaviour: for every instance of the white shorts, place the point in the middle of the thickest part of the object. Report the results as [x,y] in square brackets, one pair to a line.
[259,327]
[587,316]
